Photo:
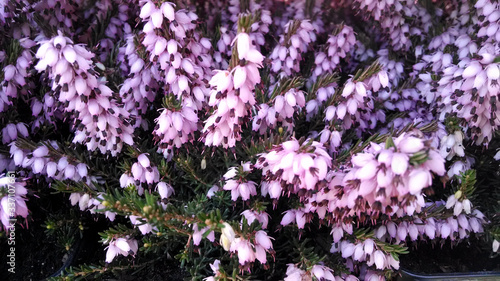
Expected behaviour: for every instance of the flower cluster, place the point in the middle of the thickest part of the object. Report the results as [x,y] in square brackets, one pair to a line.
[41,161]
[294,166]
[175,127]
[287,56]
[451,145]
[63,14]
[384,179]
[339,45]
[117,28]
[237,183]
[181,54]
[249,252]
[358,121]
[253,215]
[368,251]
[356,104]
[392,15]
[320,272]
[247,249]
[121,246]
[283,109]
[137,91]
[451,228]
[15,84]
[232,95]
[100,121]
[13,200]
[476,90]
[141,172]
[12,131]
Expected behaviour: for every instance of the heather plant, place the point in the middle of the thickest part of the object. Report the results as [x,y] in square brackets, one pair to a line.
[254,140]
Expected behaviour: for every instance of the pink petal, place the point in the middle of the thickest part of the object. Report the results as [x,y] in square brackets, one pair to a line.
[288,218]
[263,240]
[255,56]
[243,45]
[368,171]
[144,160]
[69,54]
[122,244]
[51,169]
[379,259]
[111,253]
[471,70]
[9,72]
[419,179]
[240,77]
[411,145]
[93,107]
[399,163]
[160,46]
[348,89]
[168,11]
[157,18]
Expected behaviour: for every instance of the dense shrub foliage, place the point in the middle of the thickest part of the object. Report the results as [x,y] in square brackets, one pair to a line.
[263,140]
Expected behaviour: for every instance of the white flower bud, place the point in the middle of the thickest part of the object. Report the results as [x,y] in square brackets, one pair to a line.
[69,54]
[243,45]
[471,70]
[9,72]
[144,160]
[262,239]
[467,206]
[136,171]
[82,170]
[348,88]
[146,10]
[164,189]
[69,172]
[379,259]
[122,244]
[160,46]
[51,169]
[347,249]
[157,18]
[172,46]
[38,165]
[137,66]
[225,242]
[74,198]
[84,201]
[41,151]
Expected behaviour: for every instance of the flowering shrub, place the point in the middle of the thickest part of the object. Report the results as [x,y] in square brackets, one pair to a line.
[295,140]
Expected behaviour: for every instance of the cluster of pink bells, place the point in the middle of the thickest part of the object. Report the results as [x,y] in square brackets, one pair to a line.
[215,103]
